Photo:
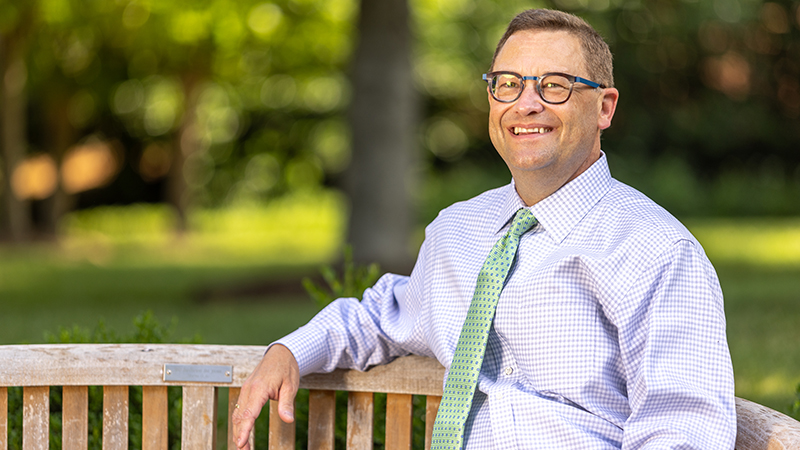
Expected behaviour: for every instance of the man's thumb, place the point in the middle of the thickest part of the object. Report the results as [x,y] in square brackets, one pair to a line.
[286,404]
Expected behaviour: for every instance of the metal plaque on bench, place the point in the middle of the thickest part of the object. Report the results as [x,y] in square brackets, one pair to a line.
[198,373]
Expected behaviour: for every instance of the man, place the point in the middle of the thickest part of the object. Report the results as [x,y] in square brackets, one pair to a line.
[609,331]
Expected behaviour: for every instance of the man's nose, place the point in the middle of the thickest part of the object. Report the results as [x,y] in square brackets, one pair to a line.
[530,101]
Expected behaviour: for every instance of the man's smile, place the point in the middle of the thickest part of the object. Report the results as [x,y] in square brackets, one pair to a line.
[538,130]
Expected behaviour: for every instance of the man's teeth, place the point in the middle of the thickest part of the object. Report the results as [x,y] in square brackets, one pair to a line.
[541,130]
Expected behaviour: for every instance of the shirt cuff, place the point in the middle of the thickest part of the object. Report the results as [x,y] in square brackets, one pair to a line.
[307,345]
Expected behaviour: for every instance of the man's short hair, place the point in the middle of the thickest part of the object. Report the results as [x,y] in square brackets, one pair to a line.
[595,50]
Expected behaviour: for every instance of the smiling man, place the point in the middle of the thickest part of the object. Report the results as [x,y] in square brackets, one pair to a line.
[596,321]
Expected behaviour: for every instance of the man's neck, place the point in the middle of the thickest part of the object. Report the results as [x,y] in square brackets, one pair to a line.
[534,186]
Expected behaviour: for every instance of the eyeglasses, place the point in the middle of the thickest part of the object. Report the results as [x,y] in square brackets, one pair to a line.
[553,88]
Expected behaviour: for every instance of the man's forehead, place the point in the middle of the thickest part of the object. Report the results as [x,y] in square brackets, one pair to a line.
[549,47]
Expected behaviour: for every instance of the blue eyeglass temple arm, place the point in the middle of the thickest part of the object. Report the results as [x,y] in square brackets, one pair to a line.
[575,80]
[588,83]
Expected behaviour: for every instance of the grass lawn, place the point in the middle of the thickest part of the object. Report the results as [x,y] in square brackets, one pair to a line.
[235,279]
[758,262]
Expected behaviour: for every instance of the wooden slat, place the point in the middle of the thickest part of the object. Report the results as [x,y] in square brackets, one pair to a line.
[321,419]
[143,365]
[115,417]
[360,416]
[281,435]
[3,418]
[761,428]
[199,422]
[155,418]
[75,418]
[398,421]
[431,408]
[35,417]
[408,375]
[118,364]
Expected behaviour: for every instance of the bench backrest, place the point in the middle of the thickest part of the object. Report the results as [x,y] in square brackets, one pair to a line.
[201,370]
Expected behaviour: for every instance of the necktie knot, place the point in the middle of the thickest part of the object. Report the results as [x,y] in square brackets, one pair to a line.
[523,221]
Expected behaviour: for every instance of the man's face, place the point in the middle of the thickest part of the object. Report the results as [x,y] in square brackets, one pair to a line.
[542,144]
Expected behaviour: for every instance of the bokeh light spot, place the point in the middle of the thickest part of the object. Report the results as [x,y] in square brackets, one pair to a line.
[445,139]
[88,166]
[35,178]
[264,19]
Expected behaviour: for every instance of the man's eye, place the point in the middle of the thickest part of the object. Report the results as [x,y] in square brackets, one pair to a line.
[553,85]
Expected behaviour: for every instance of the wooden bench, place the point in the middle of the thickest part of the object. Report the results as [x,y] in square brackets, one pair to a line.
[201,370]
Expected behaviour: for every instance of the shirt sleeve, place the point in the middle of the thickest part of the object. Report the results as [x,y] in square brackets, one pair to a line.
[674,348]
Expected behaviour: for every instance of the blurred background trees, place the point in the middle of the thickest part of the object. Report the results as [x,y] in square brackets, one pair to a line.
[218,103]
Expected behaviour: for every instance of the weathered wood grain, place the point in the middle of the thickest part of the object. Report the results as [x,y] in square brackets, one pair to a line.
[155,418]
[431,408]
[35,417]
[75,418]
[281,435]
[117,364]
[3,418]
[408,375]
[360,419]
[143,365]
[199,422]
[399,411]
[321,419]
[762,428]
[115,417]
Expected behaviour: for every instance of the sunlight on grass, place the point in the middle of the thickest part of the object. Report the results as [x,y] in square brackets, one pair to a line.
[302,229]
[758,262]
[771,242]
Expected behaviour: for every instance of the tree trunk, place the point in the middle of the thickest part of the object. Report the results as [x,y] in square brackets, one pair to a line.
[60,138]
[16,215]
[186,142]
[383,118]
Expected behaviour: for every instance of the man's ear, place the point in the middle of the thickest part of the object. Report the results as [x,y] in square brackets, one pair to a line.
[608,106]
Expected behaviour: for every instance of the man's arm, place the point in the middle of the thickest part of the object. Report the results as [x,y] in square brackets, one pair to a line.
[277,377]
[347,334]
[677,362]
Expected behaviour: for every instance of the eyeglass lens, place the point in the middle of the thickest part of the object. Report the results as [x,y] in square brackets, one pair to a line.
[553,88]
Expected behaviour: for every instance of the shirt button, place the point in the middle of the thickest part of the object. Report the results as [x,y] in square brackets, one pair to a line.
[509,370]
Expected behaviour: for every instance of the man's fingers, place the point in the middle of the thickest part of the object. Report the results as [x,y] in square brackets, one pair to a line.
[286,402]
[244,418]
[275,378]
[248,406]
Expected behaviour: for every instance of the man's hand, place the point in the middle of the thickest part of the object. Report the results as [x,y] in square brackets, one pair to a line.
[277,377]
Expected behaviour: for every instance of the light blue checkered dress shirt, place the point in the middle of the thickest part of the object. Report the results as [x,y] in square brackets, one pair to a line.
[609,333]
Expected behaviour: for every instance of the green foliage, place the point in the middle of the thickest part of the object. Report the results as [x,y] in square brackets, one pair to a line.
[794,408]
[264,84]
[354,280]
[147,329]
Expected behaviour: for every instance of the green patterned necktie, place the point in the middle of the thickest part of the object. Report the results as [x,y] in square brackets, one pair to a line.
[448,429]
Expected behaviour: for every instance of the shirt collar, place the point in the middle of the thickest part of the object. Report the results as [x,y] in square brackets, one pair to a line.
[563,209]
